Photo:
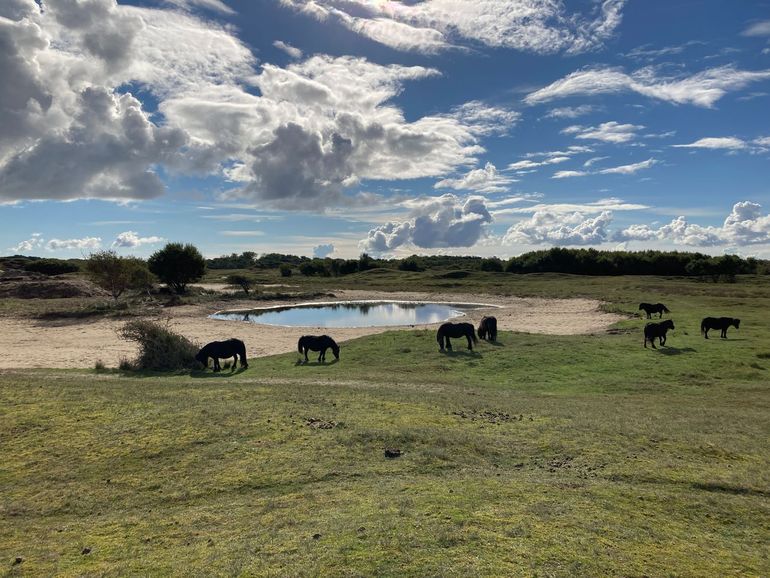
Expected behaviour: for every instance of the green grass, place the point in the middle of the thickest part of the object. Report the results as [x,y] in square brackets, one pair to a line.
[539,456]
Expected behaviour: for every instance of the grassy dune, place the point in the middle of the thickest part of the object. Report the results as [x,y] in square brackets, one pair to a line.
[537,456]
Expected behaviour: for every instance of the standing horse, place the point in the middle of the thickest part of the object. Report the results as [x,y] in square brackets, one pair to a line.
[721,323]
[653,330]
[448,330]
[649,308]
[318,343]
[217,350]
[488,328]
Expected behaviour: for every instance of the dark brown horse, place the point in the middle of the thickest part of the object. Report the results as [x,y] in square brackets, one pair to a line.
[721,323]
[649,309]
[653,330]
[217,350]
[449,329]
[488,328]
[318,343]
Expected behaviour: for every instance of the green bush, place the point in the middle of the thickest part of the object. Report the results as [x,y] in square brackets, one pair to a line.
[243,281]
[51,267]
[160,349]
[117,274]
[176,265]
[285,269]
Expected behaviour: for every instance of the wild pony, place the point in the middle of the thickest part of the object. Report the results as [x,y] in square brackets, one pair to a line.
[721,323]
[488,328]
[649,309]
[217,350]
[653,330]
[449,329]
[318,343]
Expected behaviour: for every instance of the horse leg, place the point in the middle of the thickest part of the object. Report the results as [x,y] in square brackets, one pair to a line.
[448,344]
[724,333]
[470,343]
[235,362]
[216,364]
[305,348]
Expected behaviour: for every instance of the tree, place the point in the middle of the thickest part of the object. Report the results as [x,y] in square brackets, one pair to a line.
[116,274]
[242,281]
[176,265]
[285,269]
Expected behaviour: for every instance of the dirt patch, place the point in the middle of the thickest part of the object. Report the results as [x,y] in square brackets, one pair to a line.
[80,343]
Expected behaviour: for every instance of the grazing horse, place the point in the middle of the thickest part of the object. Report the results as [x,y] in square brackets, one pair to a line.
[721,323]
[488,328]
[649,308]
[449,329]
[653,330]
[318,343]
[217,350]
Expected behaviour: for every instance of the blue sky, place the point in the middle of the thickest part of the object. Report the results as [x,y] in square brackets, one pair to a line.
[339,126]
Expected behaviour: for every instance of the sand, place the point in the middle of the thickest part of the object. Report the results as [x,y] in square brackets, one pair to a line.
[79,344]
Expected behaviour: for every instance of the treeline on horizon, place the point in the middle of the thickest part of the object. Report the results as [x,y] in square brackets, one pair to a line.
[554,260]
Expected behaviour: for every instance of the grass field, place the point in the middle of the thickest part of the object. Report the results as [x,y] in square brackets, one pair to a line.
[537,456]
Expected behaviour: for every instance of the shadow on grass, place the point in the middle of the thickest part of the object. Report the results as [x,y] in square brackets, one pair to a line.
[668,350]
[303,363]
[717,487]
[461,353]
[207,374]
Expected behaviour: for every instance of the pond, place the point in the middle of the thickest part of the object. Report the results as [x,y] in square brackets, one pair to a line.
[352,314]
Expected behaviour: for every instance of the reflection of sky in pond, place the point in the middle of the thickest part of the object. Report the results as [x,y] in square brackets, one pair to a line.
[351,314]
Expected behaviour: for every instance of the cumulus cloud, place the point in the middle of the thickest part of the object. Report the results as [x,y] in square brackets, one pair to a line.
[36,241]
[701,89]
[436,222]
[486,180]
[70,244]
[611,132]
[131,239]
[71,129]
[292,51]
[540,26]
[548,227]
[323,251]
[745,225]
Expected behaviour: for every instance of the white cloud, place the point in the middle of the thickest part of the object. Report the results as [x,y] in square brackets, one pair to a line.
[612,132]
[215,5]
[547,227]
[701,89]
[541,26]
[292,51]
[730,143]
[593,160]
[70,244]
[592,208]
[446,221]
[36,241]
[569,174]
[745,225]
[323,251]
[527,164]
[570,111]
[486,180]
[628,169]
[130,239]
[761,28]
[484,119]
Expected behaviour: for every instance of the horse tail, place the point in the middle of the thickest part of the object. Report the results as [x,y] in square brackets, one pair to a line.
[299,345]
[473,336]
[703,326]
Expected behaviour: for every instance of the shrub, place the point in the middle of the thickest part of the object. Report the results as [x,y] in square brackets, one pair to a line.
[242,281]
[492,264]
[285,269]
[177,265]
[410,264]
[160,349]
[116,274]
[51,267]
[99,365]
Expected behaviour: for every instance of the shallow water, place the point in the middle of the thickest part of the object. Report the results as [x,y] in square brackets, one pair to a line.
[352,314]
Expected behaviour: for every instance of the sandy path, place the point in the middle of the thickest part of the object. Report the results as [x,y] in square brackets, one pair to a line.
[68,344]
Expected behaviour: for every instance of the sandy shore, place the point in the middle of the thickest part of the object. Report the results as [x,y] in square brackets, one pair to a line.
[71,344]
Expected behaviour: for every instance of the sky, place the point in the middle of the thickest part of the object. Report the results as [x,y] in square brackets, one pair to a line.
[335,127]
